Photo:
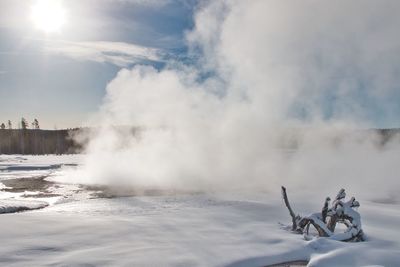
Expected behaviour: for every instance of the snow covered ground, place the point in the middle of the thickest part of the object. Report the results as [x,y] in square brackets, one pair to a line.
[183,229]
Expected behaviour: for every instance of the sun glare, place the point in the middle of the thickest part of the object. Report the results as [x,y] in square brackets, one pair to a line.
[48,15]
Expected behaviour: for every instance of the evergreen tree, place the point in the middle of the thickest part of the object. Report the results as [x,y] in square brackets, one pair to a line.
[36,124]
[24,124]
[2,126]
[9,125]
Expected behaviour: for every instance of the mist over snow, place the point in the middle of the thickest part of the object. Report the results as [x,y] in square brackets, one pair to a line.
[271,88]
[209,107]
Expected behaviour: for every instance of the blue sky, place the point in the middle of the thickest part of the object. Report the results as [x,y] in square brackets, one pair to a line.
[343,64]
[60,89]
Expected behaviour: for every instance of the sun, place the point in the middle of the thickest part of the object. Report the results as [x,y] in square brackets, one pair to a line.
[48,15]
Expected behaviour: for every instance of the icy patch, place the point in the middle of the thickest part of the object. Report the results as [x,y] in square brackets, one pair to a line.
[33,167]
[13,205]
[24,184]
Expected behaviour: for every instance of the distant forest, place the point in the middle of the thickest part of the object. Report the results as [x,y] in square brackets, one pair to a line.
[38,142]
[33,140]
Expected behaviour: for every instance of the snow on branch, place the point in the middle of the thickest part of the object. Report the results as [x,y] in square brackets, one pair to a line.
[325,222]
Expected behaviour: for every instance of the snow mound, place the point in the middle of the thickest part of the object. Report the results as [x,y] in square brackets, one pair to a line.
[13,205]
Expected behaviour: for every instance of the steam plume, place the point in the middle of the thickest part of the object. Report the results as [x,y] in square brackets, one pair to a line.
[275,97]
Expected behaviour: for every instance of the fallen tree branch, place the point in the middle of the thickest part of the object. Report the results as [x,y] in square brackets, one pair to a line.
[286,200]
[325,221]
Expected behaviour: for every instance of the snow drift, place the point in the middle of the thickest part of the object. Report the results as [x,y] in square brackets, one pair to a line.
[13,205]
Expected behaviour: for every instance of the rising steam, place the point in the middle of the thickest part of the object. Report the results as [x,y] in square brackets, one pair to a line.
[275,96]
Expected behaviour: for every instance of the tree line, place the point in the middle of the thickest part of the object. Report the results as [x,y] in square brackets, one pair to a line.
[30,139]
[24,124]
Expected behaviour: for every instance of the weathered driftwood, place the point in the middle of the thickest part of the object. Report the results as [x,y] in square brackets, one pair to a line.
[325,221]
[294,218]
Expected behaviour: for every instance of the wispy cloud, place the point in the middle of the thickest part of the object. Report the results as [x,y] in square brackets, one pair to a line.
[117,53]
[145,2]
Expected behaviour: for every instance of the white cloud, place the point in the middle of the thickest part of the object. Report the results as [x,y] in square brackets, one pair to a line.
[117,53]
[154,3]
